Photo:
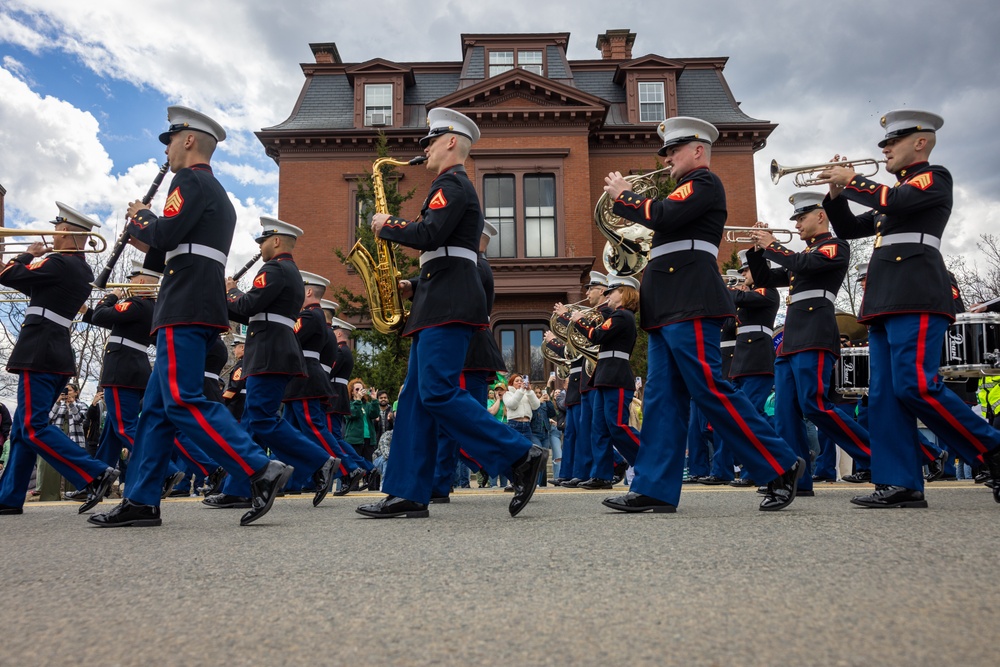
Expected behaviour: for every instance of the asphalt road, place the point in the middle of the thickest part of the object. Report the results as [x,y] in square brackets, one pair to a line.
[567,582]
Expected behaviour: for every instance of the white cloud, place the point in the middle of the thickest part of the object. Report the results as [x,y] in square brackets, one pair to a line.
[247,174]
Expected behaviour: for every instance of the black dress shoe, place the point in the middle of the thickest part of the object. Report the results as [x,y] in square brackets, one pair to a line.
[823,478]
[324,478]
[887,497]
[712,480]
[618,472]
[860,477]
[391,507]
[10,509]
[805,493]
[80,495]
[525,476]
[741,481]
[226,501]
[762,490]
[572,483]
[935,469]
[350,482]
[265,485]
[556,481]
[170,482]
[636,502]
[179,493]
[594,483]
[440,500]
[98,489]
[213,483]
[127,513]
[781,491]
[992,459]
[693,479]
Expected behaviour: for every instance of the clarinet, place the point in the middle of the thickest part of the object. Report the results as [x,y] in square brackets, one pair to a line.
[246,267]
[101,281]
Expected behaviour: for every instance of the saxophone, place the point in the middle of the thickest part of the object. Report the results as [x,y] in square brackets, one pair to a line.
[382,278]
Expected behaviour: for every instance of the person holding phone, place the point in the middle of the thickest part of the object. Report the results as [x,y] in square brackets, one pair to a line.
[359,429]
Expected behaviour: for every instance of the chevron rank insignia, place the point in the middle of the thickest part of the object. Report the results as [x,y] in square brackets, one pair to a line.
[682,193]
[260,282]
[922,181]
[606,325]
[298,325]
[437,201]
[175,202]
[122,306]
[830,250]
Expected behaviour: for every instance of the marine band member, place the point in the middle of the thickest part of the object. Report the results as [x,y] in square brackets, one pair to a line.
[908,305]
[683,303]
[57,284]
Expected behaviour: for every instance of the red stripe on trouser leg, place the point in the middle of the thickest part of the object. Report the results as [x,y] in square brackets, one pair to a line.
[34,437]
[187,455]
[727,404]
[461,380]
[925,391]
[319,436]
[820,391]
[466,455]
[175,393]
[620,424]
[927,453]
[118,417]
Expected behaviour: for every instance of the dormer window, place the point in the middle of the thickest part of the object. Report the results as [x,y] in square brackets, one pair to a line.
[504,61]
[378,104]
[651,102]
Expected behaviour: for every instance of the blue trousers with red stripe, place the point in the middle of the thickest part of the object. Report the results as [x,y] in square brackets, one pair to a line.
[757,388]
[308,417]
[175,401]
[350,456]
[432,402]
[610,430]
[698,434]
[477,383]
[685,363]
[583,454]
[801,383]
[569,441]
[905,355]
[31,434]
[120,423]
[263,421]
[198,462]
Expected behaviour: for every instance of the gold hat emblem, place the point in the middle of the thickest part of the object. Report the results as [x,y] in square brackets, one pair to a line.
[882,121]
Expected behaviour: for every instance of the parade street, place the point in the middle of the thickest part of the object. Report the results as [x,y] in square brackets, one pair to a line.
[567,582]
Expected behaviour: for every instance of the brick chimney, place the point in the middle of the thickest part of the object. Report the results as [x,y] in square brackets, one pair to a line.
[616,44]
[326,53]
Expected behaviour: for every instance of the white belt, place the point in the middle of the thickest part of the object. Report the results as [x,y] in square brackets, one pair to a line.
[613,354]
[811,294]
[909,237]
[49,315]
[197,249]
[754,328]
[449,251]
[129,343]
[211,376]
[310,354]
[342,381]
[727,343]
[680,246]
[574,370]
[327,369]
[243,391]
[271,317]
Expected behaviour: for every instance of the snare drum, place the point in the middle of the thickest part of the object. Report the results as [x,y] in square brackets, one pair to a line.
[972,346]
[853,372]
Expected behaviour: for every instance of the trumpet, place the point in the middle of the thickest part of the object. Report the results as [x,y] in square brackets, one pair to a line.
[95,242]
[808,174]
[742,234]
[136,289]
[733,279]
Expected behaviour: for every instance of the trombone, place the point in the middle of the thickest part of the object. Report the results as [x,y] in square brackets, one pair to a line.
[135,289]
[742,234]
[808,174]
[96,242]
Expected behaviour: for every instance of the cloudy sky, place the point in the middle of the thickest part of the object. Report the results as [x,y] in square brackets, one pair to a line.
[84,85]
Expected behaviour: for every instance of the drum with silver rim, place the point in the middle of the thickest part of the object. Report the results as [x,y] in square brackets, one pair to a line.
[972,346]
[853,373]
